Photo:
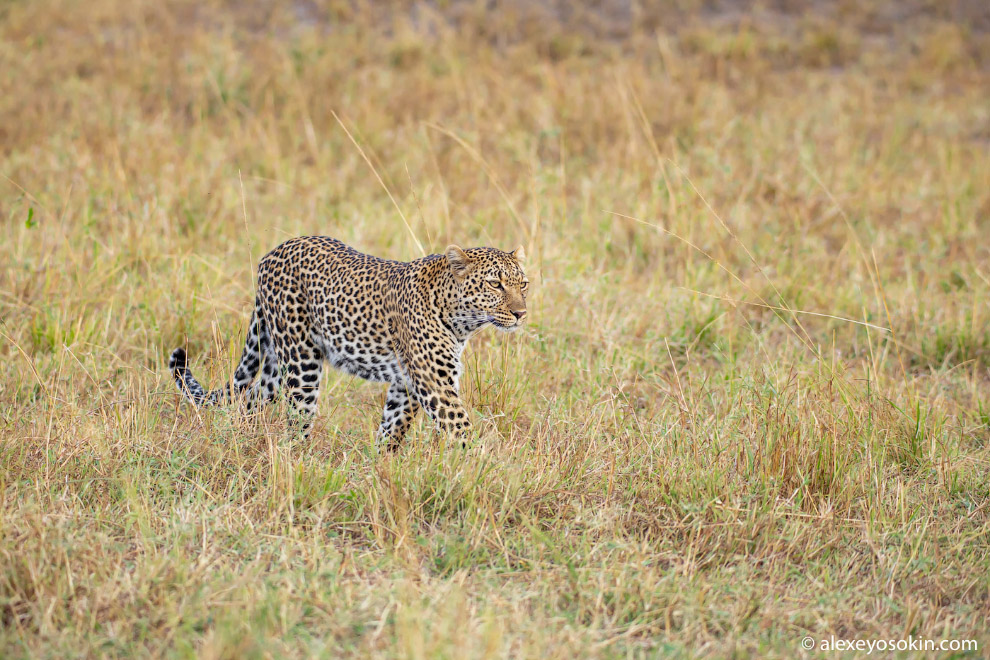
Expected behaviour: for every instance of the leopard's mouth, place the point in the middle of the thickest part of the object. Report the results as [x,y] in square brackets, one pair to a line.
[507,327]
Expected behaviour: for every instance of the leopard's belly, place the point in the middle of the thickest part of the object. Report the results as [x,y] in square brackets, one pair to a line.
[371,362]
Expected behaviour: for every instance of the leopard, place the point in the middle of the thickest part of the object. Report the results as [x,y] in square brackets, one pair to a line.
[321,302]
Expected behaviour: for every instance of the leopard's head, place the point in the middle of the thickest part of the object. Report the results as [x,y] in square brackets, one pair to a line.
[492,287]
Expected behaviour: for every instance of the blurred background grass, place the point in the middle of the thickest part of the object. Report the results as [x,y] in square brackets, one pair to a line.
[751,404]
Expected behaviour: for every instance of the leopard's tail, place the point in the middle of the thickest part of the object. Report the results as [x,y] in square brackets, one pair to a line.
[255,346]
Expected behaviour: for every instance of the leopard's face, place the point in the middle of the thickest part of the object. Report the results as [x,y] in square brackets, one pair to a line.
[492,287]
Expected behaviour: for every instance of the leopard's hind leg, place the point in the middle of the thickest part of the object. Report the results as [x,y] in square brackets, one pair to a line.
[300,366]
[267,386]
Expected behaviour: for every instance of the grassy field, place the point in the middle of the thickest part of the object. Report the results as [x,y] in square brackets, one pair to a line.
[752,403]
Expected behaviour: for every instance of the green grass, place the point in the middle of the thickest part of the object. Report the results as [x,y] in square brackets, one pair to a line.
[751,404]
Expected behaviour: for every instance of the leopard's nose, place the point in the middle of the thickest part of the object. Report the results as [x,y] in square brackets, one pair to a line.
[519,314]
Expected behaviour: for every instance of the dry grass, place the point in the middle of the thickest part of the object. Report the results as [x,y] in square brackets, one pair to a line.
[680,463]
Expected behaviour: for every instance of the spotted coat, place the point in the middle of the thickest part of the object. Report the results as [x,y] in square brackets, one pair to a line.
[403,323]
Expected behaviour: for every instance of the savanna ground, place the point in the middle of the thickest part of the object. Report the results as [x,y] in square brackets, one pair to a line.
[752,403]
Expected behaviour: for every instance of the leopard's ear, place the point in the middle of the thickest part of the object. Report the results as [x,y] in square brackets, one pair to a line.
[519,253]
[460,262]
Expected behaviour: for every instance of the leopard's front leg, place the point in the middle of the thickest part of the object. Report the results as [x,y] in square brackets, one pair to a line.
[400,411]
[434,387]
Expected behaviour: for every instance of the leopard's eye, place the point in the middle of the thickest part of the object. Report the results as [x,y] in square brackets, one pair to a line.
[495,284]
[524,286]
